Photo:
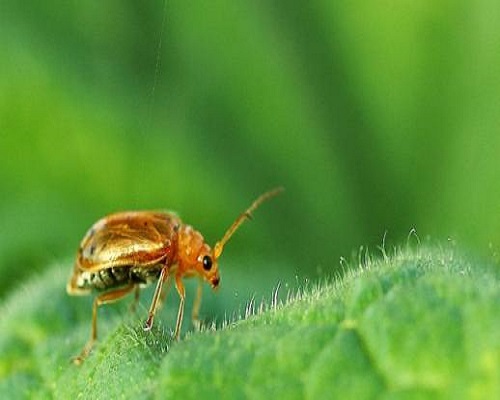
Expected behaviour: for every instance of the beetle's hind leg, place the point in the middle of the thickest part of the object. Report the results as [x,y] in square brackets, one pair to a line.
[105,298]
[133,305]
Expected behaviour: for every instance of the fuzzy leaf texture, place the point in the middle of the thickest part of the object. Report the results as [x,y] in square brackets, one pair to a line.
[418,324]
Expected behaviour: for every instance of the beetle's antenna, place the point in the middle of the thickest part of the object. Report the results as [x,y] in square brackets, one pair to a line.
[247,214]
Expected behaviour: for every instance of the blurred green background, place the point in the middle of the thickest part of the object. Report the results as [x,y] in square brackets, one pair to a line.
[375,116]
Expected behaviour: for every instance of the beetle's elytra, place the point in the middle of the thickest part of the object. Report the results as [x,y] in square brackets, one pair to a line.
[125,251]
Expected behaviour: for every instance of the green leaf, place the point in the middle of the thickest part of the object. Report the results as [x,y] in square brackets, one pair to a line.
[418,324]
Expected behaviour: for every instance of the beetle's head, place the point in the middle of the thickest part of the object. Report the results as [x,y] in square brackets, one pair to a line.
[195,257]
[207,266]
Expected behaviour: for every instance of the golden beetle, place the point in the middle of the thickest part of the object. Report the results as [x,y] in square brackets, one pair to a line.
[125,251]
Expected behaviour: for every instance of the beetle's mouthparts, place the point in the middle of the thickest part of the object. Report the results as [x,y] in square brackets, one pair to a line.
[215,282]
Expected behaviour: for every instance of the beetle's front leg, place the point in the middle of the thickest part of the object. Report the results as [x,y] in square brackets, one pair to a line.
[196,306]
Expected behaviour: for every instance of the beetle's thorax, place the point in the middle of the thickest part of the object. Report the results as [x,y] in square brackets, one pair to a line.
[190,244]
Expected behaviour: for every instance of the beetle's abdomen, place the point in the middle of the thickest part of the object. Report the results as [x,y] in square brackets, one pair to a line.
[107,278]
[110,278]
[145,275]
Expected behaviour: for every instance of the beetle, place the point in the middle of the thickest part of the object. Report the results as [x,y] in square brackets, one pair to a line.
[125,251]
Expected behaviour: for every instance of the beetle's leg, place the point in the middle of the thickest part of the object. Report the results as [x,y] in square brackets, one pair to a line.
[133,305]
[182,294]
[104,298]
[164,292]
[156,297]
[196,305]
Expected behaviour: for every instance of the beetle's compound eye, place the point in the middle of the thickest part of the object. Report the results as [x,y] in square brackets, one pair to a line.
[207,263]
